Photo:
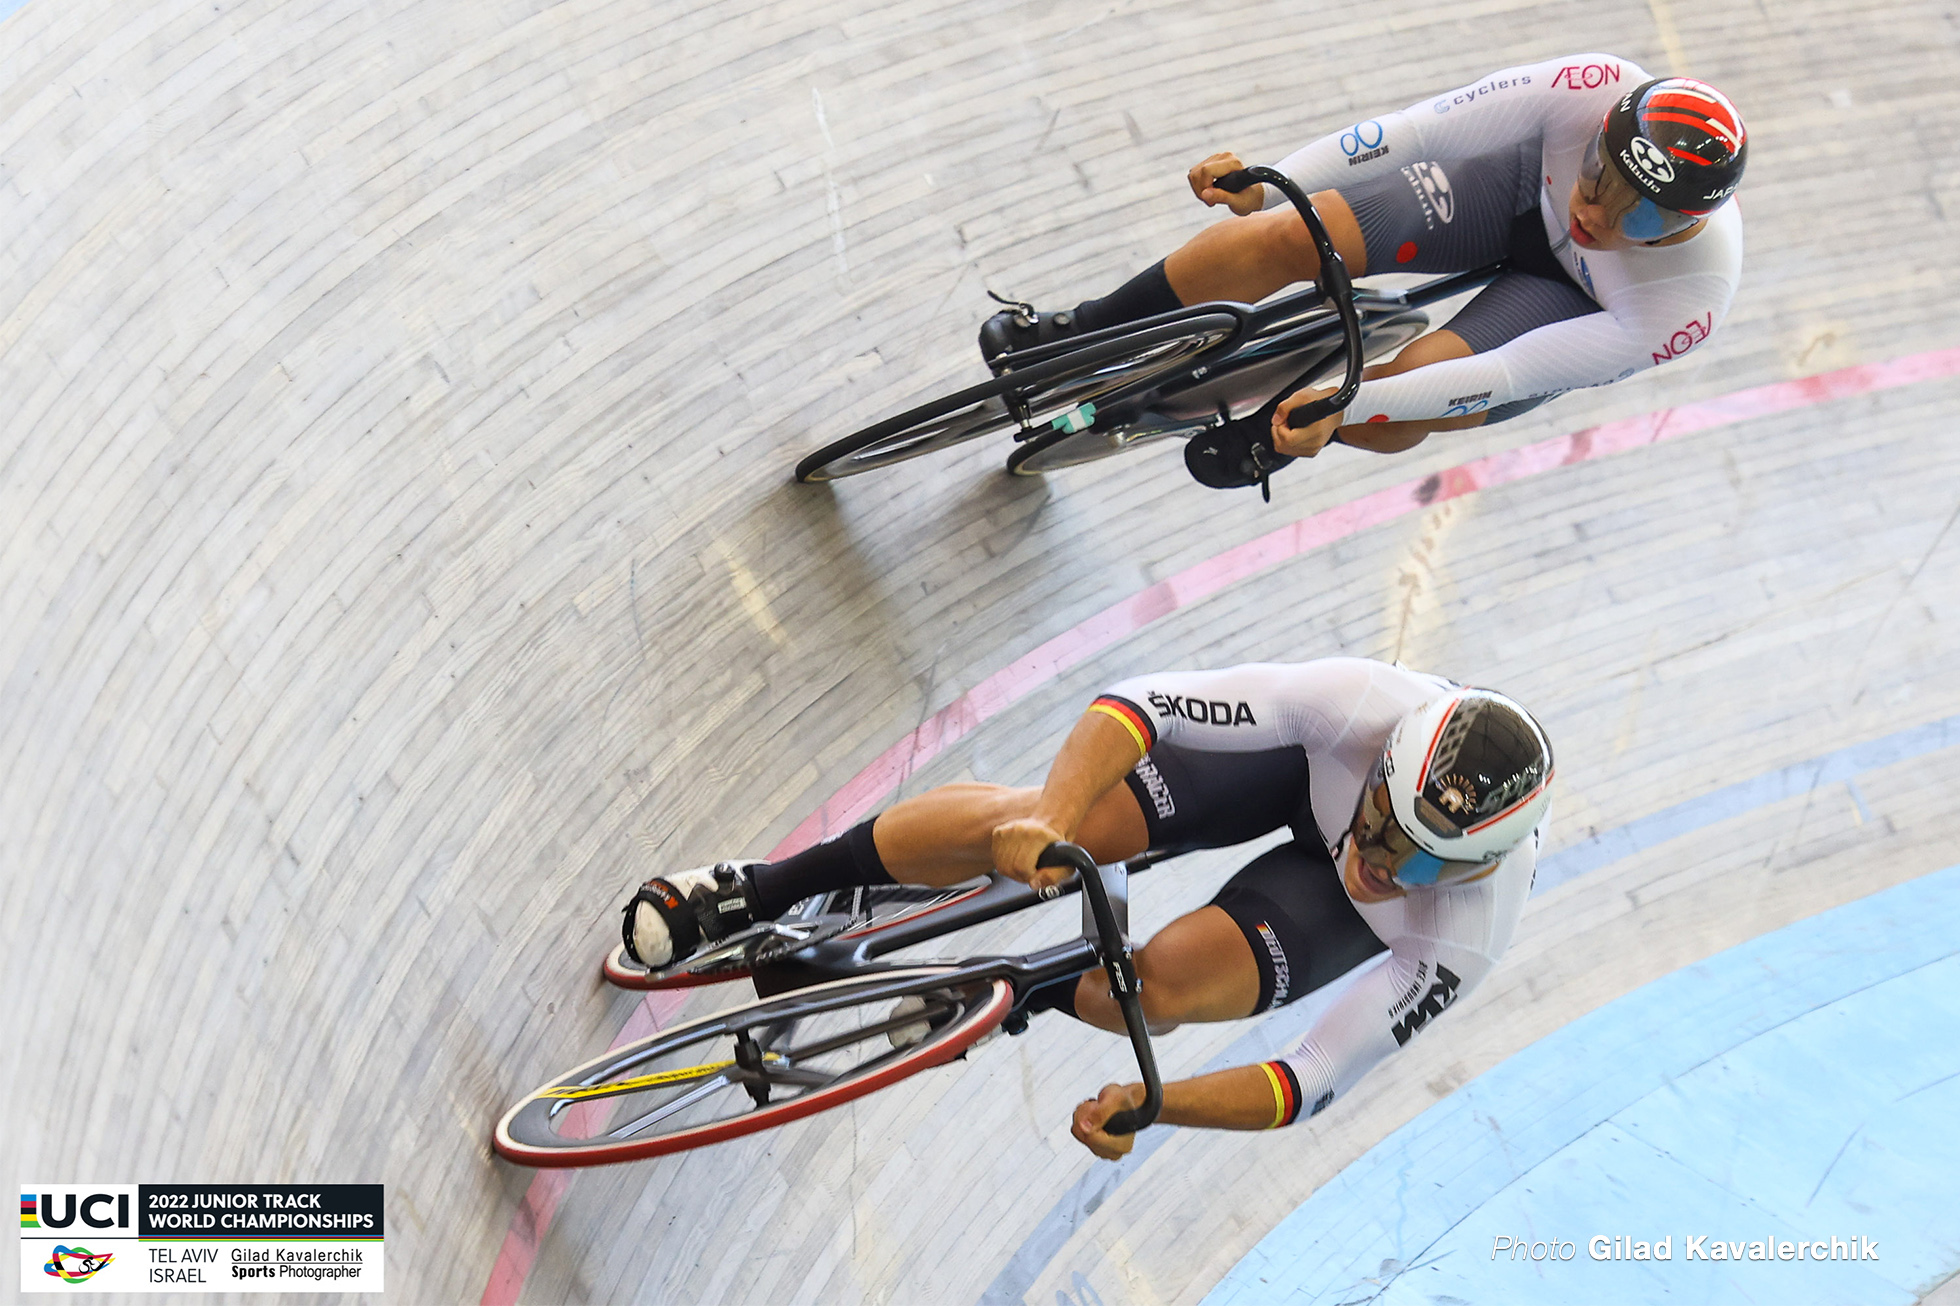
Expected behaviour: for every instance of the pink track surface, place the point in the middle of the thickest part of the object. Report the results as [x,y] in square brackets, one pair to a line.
[997,692]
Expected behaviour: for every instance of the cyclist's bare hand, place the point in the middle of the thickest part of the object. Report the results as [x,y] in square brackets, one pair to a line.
[1249,200]
[1308,440]
[1091,1115]
[1016,846]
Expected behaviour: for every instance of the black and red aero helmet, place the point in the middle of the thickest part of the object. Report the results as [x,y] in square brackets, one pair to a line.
[1679,142]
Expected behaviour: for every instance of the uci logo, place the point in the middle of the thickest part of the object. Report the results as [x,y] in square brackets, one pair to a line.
[59,1210]
[1649,158]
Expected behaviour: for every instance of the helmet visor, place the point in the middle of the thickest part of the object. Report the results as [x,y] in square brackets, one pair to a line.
[1604,184]
[1382,843]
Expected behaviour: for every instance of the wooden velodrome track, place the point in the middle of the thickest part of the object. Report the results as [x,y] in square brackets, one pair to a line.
[398,560]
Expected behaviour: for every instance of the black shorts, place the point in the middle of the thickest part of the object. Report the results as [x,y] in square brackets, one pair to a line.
[1288,902]
[1469,213]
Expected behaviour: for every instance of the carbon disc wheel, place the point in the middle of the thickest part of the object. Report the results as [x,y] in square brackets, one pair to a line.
[1048,390]
[1058,449]
[940,424]
[750,1068]
[1054,450]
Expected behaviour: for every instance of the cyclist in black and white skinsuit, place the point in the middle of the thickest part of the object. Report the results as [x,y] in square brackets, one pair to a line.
[1603,279]
[1416,808]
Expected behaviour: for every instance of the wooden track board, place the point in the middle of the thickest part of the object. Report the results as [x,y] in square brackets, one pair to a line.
[397,561]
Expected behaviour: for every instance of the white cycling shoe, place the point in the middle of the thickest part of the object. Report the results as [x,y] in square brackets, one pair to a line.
[671,917]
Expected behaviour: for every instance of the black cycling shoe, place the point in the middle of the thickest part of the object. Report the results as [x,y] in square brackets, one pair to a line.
[1233,456]
[671,917]
[1020,327]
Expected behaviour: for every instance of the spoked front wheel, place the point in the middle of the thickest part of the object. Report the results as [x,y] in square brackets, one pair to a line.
[940,424]
[750,1068]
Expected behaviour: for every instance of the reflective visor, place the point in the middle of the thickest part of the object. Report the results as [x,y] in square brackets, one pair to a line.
[1636,215]
[1381,842]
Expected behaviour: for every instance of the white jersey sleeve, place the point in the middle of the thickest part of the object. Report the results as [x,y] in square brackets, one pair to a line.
[1442,942]
[1504,109]
[1658,304]
[1248,708]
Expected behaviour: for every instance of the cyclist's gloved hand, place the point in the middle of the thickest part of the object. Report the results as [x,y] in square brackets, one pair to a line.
[1233,456]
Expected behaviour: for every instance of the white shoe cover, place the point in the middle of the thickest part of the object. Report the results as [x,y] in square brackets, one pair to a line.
[651,939]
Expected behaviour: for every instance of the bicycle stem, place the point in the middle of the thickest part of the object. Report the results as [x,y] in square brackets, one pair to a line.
[1123,985]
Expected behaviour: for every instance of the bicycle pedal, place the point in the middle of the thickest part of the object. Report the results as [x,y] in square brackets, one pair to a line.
[1016,1023]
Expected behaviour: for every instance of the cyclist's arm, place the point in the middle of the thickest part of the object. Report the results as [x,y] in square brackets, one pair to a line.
[1105,743]
[1385,1007]
[1502,110]
[1649,325]
[1239,1098]
[1441,945]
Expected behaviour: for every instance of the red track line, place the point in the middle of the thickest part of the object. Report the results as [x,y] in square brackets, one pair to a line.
[1005,687]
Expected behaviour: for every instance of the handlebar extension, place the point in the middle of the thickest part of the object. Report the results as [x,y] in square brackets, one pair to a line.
[1123,985]
[1336,286]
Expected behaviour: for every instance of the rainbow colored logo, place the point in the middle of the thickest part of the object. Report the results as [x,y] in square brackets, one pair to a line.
[76,1264]
[29,1212]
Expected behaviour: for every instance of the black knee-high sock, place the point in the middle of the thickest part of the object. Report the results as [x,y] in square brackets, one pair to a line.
[849,859]
[1144,295]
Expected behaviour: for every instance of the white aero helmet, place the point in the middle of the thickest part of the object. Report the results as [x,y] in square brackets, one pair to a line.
[1465,778]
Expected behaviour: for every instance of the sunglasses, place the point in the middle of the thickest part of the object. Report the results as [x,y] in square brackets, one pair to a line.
[1639,217]
[1382,843]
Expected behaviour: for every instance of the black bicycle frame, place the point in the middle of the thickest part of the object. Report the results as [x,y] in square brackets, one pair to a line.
[1290,323]
[856,953]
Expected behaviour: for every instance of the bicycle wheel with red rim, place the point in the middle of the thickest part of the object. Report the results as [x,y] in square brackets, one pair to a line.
[751,1068]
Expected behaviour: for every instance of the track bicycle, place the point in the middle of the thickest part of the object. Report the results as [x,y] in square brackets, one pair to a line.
[829,1022]
[1172,377]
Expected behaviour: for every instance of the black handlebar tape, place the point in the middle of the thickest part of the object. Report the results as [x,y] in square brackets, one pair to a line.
[1235,181]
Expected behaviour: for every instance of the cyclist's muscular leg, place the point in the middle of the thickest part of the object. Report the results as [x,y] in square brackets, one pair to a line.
[1199,967]
[945,835]
[1240,259]
[1246,259]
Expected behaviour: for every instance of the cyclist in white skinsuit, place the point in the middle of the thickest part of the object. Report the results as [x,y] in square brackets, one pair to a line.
[1416,808]
[1601,190]
[1659,300]
[1442,939]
